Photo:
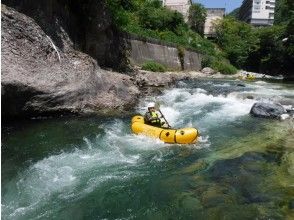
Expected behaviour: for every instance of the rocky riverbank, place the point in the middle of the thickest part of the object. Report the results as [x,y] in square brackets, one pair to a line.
[46,70]
[39,77]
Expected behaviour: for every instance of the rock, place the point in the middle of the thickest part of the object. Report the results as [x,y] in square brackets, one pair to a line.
[249,97]
[208,71]
[41,78]
[84,24]
[152,82]
[241,85]
[267,110]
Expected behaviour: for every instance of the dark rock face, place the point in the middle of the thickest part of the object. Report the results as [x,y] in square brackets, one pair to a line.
[267,110]
[41,76]
[86,23]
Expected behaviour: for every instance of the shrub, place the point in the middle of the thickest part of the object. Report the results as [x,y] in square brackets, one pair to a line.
[223,67]
[206,61]
[160,18]
[181,55]
[197,16]
[153,66]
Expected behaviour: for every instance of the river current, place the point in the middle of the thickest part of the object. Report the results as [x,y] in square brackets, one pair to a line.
[94,168]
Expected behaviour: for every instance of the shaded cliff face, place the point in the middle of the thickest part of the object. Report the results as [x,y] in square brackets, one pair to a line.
[86,22]
[44,74]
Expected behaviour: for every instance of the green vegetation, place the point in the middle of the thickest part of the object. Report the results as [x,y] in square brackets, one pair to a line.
[153,66]
[181,55]
[268,49]
[284,11]
[197,16]
[234,13]
[223,67]
[237,40]
[147,18]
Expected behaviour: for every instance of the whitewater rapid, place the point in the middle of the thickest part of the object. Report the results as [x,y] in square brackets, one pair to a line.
[115,155]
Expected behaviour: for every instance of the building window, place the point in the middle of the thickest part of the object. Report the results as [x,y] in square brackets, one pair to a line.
[269,8]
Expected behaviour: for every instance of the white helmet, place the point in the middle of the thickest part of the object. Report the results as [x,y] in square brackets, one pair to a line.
[151,105]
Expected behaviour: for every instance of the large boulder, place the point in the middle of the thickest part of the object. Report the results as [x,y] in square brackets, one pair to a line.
[86,23]
[208,71]
[41,76]
[267,110]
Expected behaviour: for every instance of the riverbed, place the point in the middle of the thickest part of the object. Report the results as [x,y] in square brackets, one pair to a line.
[95,168]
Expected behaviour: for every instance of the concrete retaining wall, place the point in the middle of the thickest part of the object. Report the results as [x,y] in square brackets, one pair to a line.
[142,50]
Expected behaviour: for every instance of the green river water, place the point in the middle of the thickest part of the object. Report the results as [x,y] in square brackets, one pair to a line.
[94,168]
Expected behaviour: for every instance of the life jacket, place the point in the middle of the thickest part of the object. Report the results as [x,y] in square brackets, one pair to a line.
[154,115]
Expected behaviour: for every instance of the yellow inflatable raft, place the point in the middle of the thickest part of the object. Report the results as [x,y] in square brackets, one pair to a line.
[250,77]
[179,136]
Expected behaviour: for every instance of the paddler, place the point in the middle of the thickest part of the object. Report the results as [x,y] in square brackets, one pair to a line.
[154,118]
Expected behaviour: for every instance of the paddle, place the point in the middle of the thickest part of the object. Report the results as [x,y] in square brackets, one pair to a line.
[157,107]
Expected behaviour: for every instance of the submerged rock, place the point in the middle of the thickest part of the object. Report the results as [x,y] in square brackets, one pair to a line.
[267,110]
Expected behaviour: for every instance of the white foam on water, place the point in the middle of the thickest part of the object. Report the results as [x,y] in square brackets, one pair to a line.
[266,89]
[222,85]
[231,108]
[62,174]
[260,82]
[110,157]
[180,105]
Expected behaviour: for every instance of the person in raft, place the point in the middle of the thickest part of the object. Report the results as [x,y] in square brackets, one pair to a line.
[154,118]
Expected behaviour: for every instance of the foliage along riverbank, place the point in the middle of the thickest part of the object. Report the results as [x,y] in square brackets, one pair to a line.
[269,50]
[151,20]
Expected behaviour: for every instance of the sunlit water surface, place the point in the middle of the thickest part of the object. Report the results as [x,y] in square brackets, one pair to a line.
[95,168]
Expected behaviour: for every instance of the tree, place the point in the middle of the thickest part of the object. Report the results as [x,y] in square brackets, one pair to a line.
[156,17]
[234,13]
[237,39]
[284,11]
[196,18]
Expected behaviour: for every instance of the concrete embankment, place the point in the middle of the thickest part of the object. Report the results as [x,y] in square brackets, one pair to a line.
[146,49]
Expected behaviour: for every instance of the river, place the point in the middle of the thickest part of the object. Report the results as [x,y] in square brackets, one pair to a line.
[95,168]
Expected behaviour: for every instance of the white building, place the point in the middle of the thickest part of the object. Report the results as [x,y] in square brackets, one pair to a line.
[258,12]
[181,6]
[213,14]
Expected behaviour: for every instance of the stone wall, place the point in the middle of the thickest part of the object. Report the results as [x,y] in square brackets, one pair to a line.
[142,50]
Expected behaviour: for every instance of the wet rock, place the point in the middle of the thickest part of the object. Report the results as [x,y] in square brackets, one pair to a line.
[190,203]
[267,110]
[241,85]
[216,195]
[244,174]
[249,97]
[196,167]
